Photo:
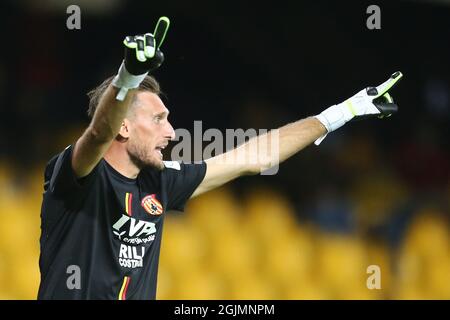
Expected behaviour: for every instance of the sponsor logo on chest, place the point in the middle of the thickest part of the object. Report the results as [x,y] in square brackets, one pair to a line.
[134,231]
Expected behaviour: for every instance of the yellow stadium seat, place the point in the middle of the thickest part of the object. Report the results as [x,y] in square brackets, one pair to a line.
[306,289]
[289,257]
[25,277]
[429,234]
[182,245]
[233,253]
[252,287]
[341,263]
[214,211]
[166,283]
[269,214]
[199,284]
[424,262]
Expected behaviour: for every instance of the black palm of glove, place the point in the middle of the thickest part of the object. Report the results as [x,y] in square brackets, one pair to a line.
[142,53]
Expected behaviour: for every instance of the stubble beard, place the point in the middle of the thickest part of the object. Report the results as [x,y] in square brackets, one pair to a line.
[140,158]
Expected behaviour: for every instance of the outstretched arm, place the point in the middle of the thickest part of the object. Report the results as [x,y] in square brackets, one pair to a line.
[268,150]
[260,153]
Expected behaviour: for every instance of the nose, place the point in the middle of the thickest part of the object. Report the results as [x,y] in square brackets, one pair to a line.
[170,131]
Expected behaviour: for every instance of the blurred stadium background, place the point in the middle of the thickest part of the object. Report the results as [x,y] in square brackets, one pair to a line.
[374,193]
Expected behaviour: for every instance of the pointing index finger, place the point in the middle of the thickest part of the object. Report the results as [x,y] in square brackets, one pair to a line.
[160,31]
[388,84]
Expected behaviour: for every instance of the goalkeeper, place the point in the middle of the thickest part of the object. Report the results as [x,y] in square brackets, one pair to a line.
[107,194]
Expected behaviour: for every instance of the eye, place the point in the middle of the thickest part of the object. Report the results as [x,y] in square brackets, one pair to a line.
[157,119]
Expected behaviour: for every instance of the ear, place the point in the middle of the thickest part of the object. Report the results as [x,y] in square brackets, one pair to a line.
[124,131]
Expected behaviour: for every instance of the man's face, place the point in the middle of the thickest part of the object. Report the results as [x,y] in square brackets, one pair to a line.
[149,130]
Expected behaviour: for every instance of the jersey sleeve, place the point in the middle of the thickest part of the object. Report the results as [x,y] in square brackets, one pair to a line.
[180,181]
[60,179]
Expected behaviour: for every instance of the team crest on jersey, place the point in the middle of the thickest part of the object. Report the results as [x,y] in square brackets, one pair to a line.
[152,205]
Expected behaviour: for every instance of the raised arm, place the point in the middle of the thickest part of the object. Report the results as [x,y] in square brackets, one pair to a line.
[142,55]
[97,138]
[265,151]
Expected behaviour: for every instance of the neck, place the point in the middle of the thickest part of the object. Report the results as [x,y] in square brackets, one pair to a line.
[118,158]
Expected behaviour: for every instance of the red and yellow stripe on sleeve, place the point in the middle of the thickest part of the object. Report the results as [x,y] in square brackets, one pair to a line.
[128,201]
[124,288]
[126,280]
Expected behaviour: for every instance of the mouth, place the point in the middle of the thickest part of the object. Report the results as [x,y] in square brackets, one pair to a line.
[159,150]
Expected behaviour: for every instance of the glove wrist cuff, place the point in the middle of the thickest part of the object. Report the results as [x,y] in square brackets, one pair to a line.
[333,118]
[125,81]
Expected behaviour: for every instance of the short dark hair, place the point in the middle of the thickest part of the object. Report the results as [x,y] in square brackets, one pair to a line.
[148,84]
